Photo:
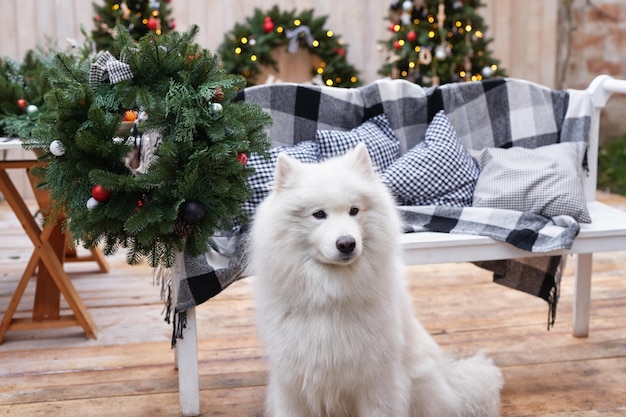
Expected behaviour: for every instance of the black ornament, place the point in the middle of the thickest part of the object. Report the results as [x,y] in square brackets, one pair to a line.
[192,211]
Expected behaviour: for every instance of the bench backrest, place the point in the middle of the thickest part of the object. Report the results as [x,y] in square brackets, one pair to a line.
[500,112]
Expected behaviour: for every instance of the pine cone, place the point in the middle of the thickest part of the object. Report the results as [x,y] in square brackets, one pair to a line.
[182,228]
[219,94]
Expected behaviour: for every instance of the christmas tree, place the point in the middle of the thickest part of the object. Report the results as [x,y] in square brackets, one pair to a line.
[138,16]
[438,41]
[185,126]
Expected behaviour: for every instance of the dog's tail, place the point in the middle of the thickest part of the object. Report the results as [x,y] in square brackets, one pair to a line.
[477,382]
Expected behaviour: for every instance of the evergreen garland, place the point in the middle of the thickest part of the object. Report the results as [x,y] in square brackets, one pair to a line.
[249,46]
[438,41]
[200,162]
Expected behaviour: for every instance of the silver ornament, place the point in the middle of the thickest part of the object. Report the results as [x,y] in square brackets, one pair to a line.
[216,108]
[57,148]
[32,110]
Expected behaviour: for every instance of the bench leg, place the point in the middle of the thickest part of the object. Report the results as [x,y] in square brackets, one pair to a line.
[187,364]
[186,355]
[582,294]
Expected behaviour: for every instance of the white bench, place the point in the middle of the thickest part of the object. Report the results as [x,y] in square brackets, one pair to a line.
[606,233]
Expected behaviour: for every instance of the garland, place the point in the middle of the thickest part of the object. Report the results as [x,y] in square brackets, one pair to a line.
[177,177]
[248,47]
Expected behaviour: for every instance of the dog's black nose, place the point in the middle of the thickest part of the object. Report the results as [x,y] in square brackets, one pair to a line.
[345,244]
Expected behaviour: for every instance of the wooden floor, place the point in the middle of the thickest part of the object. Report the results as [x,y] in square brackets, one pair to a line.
[128,370]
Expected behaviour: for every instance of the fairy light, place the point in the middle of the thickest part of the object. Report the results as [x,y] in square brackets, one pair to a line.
[468,28]
[478,34]
[354,79]
[316,43]
[462,74]
[411,64]
[115,7]
[458,23]
[431,19]
[401,42]
[244,40]
[396,28]
[279,29]
[329,34]
[320,70]
[237,50]
[494,67]
[417,48]
[297,22]
[155,13]
[404,73]
[431,34]
[329,82]
[253,58]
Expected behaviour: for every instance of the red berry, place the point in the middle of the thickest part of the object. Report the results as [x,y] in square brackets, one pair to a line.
[22,103]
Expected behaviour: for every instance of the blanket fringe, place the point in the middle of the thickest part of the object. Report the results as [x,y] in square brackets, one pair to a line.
[180,324]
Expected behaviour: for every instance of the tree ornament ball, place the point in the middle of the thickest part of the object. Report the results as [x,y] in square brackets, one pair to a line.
[91,203]
[407,5]
[57,148]
[192,211]
[268,25]
[440,53]
[152,23]
[32,110]
[242,157]
[100,194]
[22,103]
[216,108]
[486,72]
[397,45]
[411,36]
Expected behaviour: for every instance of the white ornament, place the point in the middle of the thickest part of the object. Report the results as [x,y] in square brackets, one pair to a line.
[118,140]
[487,72]
[440,53]
[91,203]
[57,148]
[32,109]
[407,6]
[216,108]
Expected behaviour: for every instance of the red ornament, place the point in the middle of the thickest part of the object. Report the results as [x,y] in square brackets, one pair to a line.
[392,27]
[100,194]
[22,103]
[339,51]
[411,36]
[152,23]
[268,25]
[242,157]
[397,45]
[172,25]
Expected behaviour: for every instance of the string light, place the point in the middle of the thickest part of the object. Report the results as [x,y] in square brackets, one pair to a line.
[316,43]
[244,40]
[253,58]
[237,50]
[297,22]
[329,34]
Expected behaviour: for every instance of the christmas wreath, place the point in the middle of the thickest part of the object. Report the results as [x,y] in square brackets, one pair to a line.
[172,177]
[248,47]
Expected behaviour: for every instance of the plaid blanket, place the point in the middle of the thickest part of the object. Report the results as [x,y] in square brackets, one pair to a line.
[493,113]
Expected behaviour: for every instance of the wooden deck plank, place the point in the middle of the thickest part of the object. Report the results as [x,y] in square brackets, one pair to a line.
[129,369]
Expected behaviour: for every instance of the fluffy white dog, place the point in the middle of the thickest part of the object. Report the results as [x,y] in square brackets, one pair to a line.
[333,310]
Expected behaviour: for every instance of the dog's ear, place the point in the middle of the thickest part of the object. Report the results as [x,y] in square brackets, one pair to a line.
[361,159]
[286,167]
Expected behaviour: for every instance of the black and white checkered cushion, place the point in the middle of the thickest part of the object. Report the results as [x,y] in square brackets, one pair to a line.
[260,182]
[544,180]
[436,171]
[382,143]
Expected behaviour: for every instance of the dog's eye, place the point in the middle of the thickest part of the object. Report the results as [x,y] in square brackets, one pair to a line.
[354,211]
[319,214]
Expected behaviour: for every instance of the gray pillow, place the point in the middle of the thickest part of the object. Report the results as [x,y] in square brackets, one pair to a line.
[436,171]
[382,143]
[545,180]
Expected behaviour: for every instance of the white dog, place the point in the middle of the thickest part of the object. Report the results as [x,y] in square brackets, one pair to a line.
[333,310]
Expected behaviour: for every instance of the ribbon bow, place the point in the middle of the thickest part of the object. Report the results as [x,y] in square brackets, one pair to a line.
[292,35]
[107,64]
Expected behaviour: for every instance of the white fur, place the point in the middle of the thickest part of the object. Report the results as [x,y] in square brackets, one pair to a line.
[338,328]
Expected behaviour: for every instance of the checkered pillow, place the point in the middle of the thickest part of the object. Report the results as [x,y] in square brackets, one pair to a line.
[544,180]
[436,171]
[260,181]
[377,134]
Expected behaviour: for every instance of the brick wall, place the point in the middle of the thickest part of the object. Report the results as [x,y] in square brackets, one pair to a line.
[597,45]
